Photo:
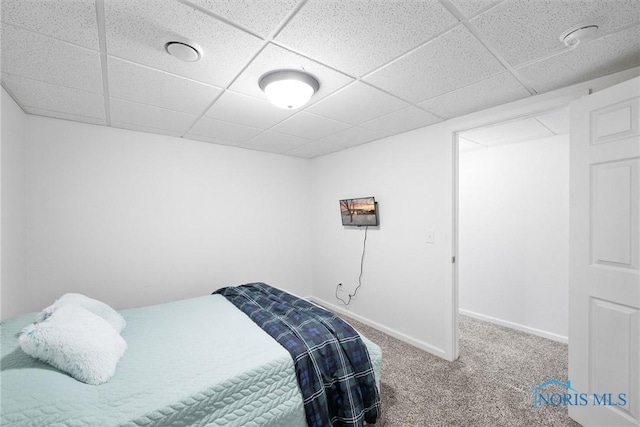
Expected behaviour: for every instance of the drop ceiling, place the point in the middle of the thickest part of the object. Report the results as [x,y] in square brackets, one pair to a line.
[545,125]
[385,67]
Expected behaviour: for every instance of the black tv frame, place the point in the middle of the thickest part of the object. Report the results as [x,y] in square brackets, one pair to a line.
[348,212]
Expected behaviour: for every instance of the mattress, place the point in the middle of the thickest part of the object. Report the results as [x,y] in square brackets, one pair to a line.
[196,362]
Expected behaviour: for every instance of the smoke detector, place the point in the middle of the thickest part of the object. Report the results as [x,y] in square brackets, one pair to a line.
[579,33]
[184,50]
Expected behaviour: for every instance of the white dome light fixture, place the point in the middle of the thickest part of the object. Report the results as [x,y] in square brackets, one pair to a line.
[288,89]
[184,50]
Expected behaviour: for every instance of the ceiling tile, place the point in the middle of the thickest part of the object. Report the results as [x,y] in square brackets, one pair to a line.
[144,115]
[470,8]
[556,121]
[616,52]
[478,96]
[45,96]
[211,140]
[526,30]
[314,149]
[276,58]
[359,36]
[275,142]
[145,85]
[452,60]
[352,137]
[245,110]
[64,116]
[464,145]
[507,133]
[72,21]
[38,57]
[262,17]
[138,31]
[223,130]
[310,126]
[401,121]
[146,129]
[357,103]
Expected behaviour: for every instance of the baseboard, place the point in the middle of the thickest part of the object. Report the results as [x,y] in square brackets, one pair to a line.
[399,335]
[517,326]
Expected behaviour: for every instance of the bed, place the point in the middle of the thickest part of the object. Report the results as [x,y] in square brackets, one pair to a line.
[194,362]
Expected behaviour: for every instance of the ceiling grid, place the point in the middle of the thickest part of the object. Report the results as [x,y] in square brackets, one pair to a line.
[384,67]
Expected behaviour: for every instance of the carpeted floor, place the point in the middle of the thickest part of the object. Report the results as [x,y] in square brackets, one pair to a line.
[489,385]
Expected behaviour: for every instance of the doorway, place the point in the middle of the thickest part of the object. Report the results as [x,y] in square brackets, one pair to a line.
[513,221]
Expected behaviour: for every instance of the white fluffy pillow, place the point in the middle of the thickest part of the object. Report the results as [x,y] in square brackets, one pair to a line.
[76,341]
[97,307]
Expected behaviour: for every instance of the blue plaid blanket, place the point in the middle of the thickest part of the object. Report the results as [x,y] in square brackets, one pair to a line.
[332,363]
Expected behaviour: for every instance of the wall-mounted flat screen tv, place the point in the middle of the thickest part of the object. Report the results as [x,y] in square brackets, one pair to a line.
[359,212]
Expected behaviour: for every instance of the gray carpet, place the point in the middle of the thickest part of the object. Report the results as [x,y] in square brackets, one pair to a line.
[487,386]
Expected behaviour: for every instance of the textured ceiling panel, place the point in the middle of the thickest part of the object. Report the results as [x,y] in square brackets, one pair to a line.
[139,30]
[525,30]
[31,55]
[223,130]
[384,67]
[452,60]
[470,8]
[598,58]
[507,133]
[210,140]
[352,137]
[495,90]
[45,96]
[401,121]
[146,129]
[148,86]
[64,116]
[72,21]
[245,110]
[314,149]
[309,126]
[259,16]
[150,117]
[275,142]
[359,36]
[357,103]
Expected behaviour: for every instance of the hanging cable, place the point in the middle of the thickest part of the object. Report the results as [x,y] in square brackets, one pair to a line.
[353,295]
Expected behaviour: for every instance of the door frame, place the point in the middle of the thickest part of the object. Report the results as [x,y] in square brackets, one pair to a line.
[513,111]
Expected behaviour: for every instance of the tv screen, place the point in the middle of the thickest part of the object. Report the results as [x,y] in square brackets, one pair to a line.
[359,212]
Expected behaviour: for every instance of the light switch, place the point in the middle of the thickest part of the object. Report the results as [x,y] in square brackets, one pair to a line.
[430,236]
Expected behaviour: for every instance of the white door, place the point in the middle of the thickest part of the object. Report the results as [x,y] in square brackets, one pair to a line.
[604,275]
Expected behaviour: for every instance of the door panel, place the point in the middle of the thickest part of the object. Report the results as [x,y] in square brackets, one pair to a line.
[613,215]
[604,277]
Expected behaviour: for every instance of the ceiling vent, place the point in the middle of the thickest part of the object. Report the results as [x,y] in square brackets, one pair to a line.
[184,50]
[579,33]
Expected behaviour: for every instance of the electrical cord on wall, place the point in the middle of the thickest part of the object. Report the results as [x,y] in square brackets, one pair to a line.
[353,295]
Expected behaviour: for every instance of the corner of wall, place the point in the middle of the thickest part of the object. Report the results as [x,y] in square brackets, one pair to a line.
[12,205]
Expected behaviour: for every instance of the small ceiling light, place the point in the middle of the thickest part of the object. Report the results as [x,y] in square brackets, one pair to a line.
[184,50]
[578,33]
[288,88]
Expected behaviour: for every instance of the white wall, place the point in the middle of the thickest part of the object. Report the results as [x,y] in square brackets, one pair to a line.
[12,228]
[404,277]
[514,235]
[108,213]
[134,219]
[408,285]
